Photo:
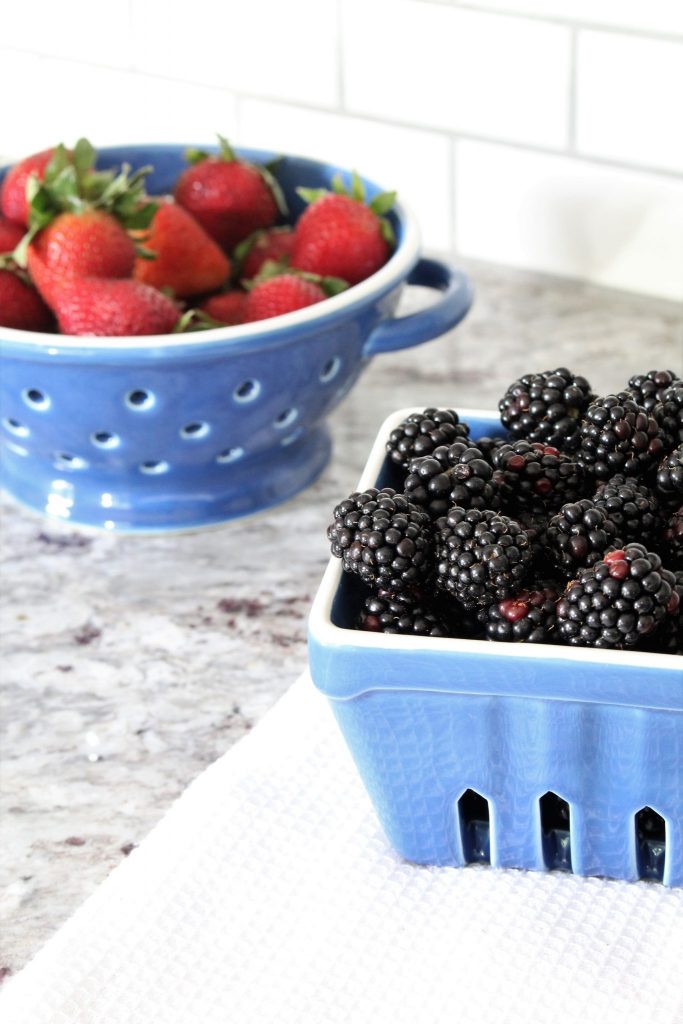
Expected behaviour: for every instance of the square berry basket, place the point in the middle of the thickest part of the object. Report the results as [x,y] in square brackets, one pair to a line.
[519,755]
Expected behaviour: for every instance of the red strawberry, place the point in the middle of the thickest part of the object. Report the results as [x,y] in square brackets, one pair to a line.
[10,235]
[187,260]
[104,308]
[88,244]
[278,295]
[274,244]
[21,306]
[229,197]
[13,202]
[226,308]
[339,236]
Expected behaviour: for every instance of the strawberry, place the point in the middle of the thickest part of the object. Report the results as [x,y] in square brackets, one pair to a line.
[21,306]
[339,235]
[282,294]
[10,235]
[88,244]
[273,244]
[226,308]
[112,308]
[187,260]
[13,202]
[229,197]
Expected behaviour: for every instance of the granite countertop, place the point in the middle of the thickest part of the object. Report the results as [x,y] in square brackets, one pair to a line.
[131,663]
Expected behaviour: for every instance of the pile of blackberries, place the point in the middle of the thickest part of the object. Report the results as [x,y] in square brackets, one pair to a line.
[566,528]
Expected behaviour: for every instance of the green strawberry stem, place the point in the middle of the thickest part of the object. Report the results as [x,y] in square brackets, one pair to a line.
[195,320]
[275,268]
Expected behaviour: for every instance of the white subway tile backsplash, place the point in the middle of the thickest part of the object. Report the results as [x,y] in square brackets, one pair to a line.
[69,28]
[462,70]
[415,163]
[284,50]
[654,16]
[145,109]
[622,229]
[630,99]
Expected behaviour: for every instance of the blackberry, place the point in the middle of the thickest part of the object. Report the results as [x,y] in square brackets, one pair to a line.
[618,436]
[546,407]
[669,477]
[457,475]
[383,538]
[579,535]
[421,432]
[392,615]
[669,414]
[535,525]
[534,476]
[488,446]
[528,617]
[647,388]
[481,556]
[632,507]
[618,602]
[672,539]
[669,637]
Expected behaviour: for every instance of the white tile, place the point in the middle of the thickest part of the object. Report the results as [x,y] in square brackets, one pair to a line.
[263,47]
[146,109]
[414,163]
[622,229]
[654,16]
[69,28]
[630,99]
[443,67]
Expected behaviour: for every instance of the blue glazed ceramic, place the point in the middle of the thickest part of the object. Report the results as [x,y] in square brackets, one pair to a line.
[520,755]
[181,431]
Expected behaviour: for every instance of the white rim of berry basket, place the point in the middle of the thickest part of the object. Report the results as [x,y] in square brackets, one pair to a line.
[326,633]
[394,271]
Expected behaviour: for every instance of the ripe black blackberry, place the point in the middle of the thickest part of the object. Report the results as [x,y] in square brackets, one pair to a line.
[534,476]
[669,478]
[481,556]
[488,446]
[579,535]
[632,507]
[421,432]
[383,538]
[546,407]
[456,475]
[668,639]
[389,614]
[618,602]
[528,617]
[669,413]
[618,436]
[647,388]
[672,539]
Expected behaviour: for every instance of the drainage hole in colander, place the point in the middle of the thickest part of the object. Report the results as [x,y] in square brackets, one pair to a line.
[104,439]
[291,438]
[139,399]
[64,460]
[194,431]
[15,427]
[650,844]
[556,832]
[153,468]
[247,391]
[285,419]
[230,455]
[475,830]
[36,399]
[330,370]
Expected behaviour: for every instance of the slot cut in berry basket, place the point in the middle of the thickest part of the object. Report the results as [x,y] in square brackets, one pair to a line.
[534,756]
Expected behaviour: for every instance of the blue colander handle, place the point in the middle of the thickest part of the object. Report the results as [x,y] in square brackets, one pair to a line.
[446,312]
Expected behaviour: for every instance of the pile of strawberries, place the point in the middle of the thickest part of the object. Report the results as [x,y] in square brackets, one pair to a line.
[88,252]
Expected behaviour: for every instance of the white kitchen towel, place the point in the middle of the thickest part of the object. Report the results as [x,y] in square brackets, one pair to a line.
[268,893]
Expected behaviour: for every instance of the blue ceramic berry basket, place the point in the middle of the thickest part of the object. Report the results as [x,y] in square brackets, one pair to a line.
[520,755]
[181,431]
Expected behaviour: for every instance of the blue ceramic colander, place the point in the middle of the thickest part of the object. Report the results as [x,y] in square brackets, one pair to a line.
[181,431]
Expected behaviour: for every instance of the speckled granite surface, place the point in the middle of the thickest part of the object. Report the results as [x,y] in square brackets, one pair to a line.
[130,663]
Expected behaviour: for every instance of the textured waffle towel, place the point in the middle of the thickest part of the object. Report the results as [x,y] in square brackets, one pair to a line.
[269,894]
